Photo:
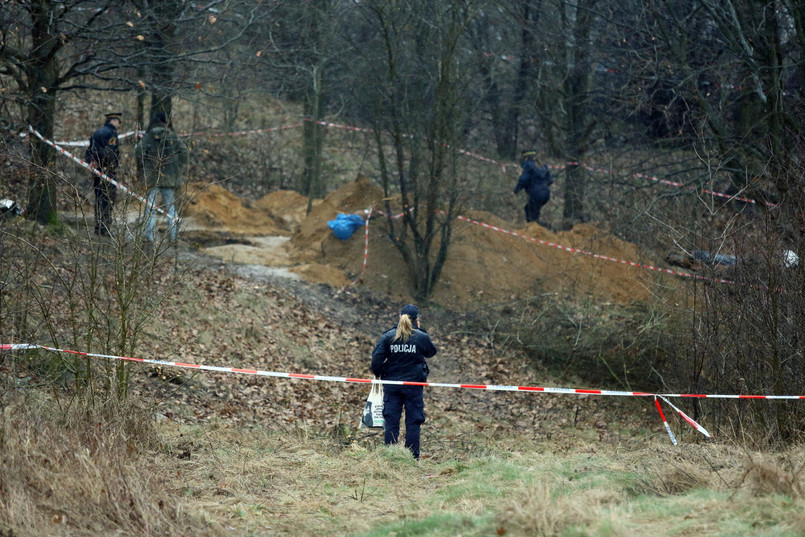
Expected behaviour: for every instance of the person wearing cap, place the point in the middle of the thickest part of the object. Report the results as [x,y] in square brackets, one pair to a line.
[400,355]
[103,154]
[536,181]
[163,157]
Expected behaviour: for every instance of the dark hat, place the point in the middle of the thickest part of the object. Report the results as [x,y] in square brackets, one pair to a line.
[529,153]
[410,310]
[113,115]
[159,117]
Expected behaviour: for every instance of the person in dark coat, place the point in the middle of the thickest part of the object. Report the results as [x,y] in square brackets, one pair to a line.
[400,355]
[536,181]
[103,154]
[163,157]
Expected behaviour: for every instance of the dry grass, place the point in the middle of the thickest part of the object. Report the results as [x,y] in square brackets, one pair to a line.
[112,469]
[79,471]
[287,482]
[544,510]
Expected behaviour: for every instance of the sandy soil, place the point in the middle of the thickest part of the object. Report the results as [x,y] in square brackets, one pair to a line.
[485,265]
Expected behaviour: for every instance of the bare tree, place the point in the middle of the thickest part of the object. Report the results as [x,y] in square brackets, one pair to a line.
[732,71]
[52,47]
[43,46]
[418,82]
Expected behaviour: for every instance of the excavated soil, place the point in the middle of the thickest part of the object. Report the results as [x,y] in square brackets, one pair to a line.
[484,265]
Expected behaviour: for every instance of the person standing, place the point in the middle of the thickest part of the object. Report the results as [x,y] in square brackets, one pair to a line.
[536,181]
[163,157]
[103,154]
[400,355]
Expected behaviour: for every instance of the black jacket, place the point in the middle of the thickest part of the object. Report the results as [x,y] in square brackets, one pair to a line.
[402,360]
[103,148]
[533,179]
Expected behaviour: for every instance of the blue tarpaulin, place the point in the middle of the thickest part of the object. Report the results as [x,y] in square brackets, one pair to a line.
[345,225]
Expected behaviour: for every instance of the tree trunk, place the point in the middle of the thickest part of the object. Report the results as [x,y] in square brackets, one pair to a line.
[529,23]
[42,74]
[313,139]
[162,57]
[576,98]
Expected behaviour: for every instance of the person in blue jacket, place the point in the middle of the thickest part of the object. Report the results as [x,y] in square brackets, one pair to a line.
[400,355]
[103,154]
[536,181]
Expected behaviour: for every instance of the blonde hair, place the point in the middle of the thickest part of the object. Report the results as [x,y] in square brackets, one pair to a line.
[404,328]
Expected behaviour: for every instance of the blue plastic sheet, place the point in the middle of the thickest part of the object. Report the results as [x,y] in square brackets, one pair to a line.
[345,225]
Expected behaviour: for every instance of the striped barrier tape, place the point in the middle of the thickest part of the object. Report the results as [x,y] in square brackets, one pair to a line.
[366,249]
[365,245]
[592,254]
[357,380]
[100,174]
[139,133]
[729,197]
[614,259]
[487,387]
[688,418]
[240,133]
[569,249]
[664,421]
[84,143]
[503,165]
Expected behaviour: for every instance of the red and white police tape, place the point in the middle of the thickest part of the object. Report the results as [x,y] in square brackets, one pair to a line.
[592,254]
[664,421]
[569,249]
[128,191]
[488,387]
[504,165]
[476,156]
[365,245]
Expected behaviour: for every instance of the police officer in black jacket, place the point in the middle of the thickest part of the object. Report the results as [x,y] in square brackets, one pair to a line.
[536,181]
[400,355]
[103,154]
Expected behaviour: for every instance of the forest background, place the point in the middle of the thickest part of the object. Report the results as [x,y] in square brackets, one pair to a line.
[704,94]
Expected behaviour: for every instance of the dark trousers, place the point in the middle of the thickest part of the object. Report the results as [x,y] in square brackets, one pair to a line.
[395,399]
[536,199]
[105,197]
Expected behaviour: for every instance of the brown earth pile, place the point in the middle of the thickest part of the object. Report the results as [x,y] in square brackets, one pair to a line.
[484,265]
[286,207]
[212,206]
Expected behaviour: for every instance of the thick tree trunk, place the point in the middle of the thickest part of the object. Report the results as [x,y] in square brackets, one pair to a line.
[163,57]
[42,196]
[42,73]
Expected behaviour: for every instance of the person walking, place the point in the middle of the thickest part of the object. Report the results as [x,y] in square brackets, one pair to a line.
[103,154]
[400,355]
[163,157]
[536,181]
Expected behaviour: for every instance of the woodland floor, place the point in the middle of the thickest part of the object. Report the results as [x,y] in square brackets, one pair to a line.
[275,290]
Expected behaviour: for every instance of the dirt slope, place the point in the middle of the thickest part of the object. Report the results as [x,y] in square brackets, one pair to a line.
[485,265]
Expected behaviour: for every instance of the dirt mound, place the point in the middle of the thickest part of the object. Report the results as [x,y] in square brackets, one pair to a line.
[287,207]
[210,205]
[354,197]
[489,265]
[484,265]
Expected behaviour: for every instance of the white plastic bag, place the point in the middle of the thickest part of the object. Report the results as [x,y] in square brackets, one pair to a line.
[373,409]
